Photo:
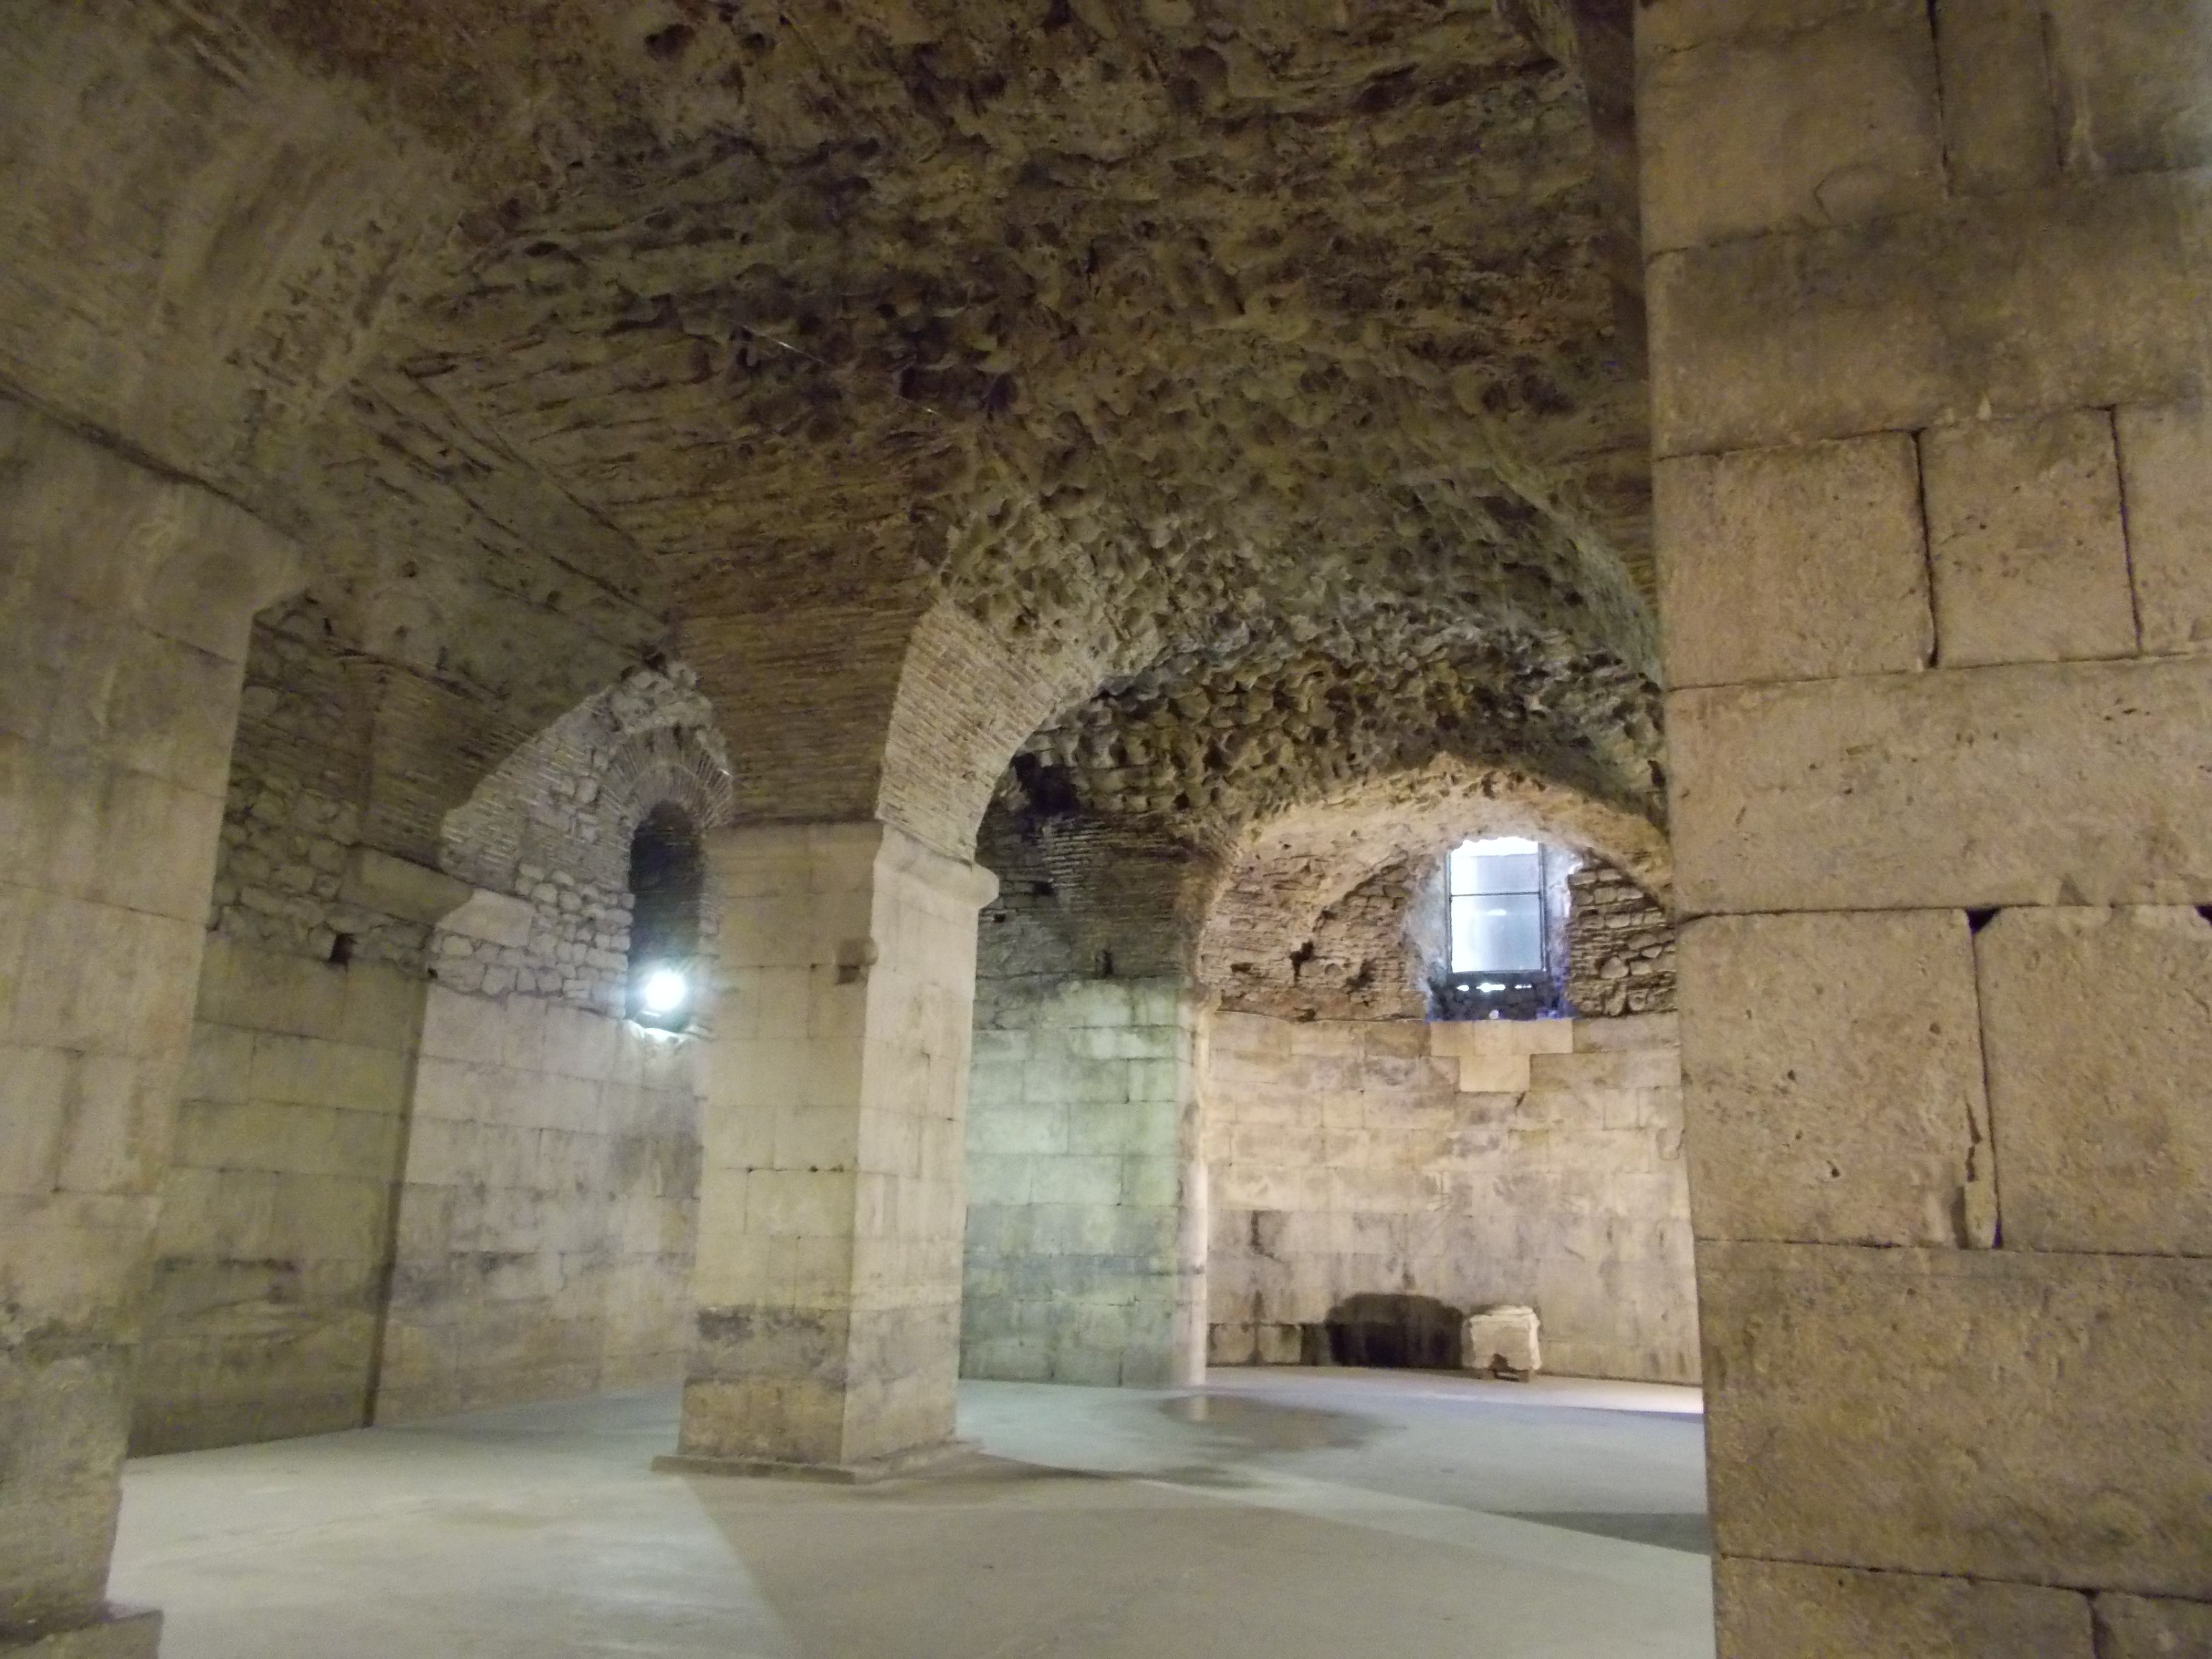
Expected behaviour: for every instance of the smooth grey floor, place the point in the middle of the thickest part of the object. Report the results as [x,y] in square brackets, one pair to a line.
[1276,1513]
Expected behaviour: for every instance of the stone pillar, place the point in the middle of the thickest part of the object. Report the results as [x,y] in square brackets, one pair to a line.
[1086,1221]
[1935,523]
[827,1282]
[128,600]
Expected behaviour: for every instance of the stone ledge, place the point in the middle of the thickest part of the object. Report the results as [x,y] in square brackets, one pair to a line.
[121,1633]
[865,1473]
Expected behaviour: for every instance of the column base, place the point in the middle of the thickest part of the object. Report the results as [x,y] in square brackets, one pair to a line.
[119,1633]
[865,1473]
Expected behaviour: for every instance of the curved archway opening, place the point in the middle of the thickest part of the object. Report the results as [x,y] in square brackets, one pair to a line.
[667,879]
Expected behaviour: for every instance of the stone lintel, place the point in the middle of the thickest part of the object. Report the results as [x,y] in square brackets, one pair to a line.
[401,887]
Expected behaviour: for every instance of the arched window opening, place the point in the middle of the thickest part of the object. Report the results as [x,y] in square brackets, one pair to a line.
[667,875]
[1506,956]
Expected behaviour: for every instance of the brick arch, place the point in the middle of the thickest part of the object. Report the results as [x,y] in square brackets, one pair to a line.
[554,824]
[907,715]
[670,767]
[1286,872]
[570,798]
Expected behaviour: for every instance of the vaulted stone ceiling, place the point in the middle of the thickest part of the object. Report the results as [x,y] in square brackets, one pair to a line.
[1252,370]
[1257,362]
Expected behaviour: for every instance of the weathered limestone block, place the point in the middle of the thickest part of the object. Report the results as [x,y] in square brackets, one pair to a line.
[1831,120]
[2129,78]
[1494,1074]
[1488,1039]
[2000,127]
[2166,461]
[1910,322]
[125,600]
[499,919]
[2139,1627]
[2021,784]
[1839,1057]
[2099,1048]
[377,881]
[827,1283]
[1501,1339]
[1670,25]
[1790,564]
[1988,1413]
[1784,1610]
[1628,1032]
[2025,539]
[1606,1071]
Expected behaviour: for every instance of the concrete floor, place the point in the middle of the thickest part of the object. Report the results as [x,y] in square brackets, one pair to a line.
[1283,1513]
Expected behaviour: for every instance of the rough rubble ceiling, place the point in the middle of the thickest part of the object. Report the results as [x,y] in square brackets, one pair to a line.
[1263,354]
[1256,363]
[1209,746]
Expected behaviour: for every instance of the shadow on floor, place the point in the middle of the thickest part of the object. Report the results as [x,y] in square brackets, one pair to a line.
[1263,1425]
[1342,1514]
[1691,1534]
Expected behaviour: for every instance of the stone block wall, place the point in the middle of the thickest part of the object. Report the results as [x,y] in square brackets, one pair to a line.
[1083,1207]
[273,1249]
[424,1163]
[1462,1164]
[543,1243]
[1929,362]
[1621,946]
[390,1199]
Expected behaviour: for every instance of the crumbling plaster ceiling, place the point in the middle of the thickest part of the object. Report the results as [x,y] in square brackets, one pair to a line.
[1258,362]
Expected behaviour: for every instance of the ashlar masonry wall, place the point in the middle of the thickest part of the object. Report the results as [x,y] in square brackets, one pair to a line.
[424,1163]
[272,1251]
[1537,1162]
[545,1238]
[1928,355]
[1083,1257]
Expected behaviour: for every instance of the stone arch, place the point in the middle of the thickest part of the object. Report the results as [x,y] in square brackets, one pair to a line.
[587,780]
[848,713]
[205,237]
[553,826]
[1285,870]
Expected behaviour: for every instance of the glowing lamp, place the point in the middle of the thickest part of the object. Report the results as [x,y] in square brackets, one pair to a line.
[665,992]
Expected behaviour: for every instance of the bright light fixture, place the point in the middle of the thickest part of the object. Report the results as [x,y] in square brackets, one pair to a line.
[664,992]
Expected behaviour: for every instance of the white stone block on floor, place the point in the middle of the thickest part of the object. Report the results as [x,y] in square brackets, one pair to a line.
[1501,1339]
